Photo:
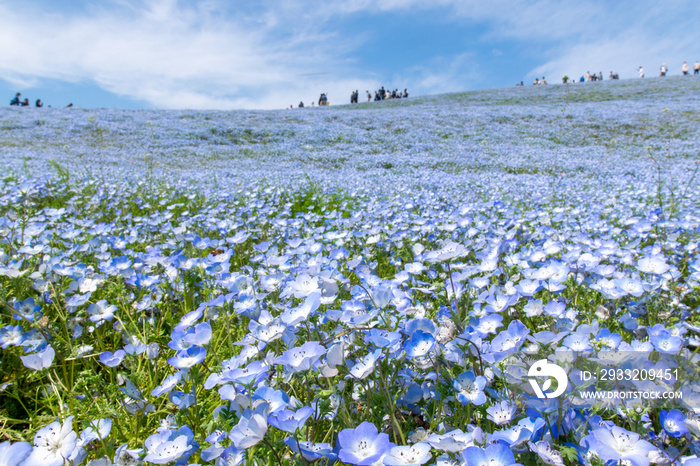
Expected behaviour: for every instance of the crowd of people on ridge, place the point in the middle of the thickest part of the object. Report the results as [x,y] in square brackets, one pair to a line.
[592,77]
[685,69]
[17,102]
[24,103]
[380,94]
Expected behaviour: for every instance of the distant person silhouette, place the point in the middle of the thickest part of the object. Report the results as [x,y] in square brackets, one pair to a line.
[15,101]
[39,103]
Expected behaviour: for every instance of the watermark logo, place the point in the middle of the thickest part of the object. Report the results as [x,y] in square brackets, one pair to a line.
[544,368]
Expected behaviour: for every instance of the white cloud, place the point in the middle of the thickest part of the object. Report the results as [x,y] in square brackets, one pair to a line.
[167,54]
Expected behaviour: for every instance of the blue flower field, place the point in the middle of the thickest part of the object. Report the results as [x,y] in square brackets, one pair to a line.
[499,277]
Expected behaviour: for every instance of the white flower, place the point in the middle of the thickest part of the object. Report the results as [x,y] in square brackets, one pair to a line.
[408,455]
[447,252]
[546,453]
[655,264]
[55,444]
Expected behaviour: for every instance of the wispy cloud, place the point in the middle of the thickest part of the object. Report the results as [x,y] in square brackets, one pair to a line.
[167,54]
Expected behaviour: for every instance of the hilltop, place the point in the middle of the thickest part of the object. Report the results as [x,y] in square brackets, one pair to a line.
[591,132]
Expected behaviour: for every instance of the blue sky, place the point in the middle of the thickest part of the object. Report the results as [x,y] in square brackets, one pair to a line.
[229,54]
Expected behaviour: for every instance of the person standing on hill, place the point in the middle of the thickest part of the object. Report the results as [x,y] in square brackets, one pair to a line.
[39,103]
[641,72]
[664,70]
[696,67]
[685,68]
[15,101]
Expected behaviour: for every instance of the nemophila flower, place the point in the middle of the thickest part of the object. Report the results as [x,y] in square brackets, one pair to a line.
[619,445]
[381,296]
[488,324]
[130,390]
[380,339]
[302,286]
[311,451]
[12,454]
[546,453]
[413,455]
[199,335]
[301,313]
[268,332]
[353,316]
[499,302]
[152,350]
[608,339]
[249,431]
[301,358]
[546,337]
[101,311]
[364,366]
[630,286]
[251,373]
[419,344]
[181,399]
[134,346]
[414,268]
[673,423]
[168,384]
[578,342]
[42,359]
[170,445]
[185,359]
[290,421]
[77,300]
[493,455]
[555,309]
[665,342]
[363,445]
[189,320]
[112,359]
[447,252]
[11,335]
[608,289]
[27,309]
[455,441]
[654,264]
[507,342]
[515,437]
[212,453]
[276,399]
[231,456]
[533,308]
[56,445]
[528,288]
[470,388]
[502,413]
[425,325]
